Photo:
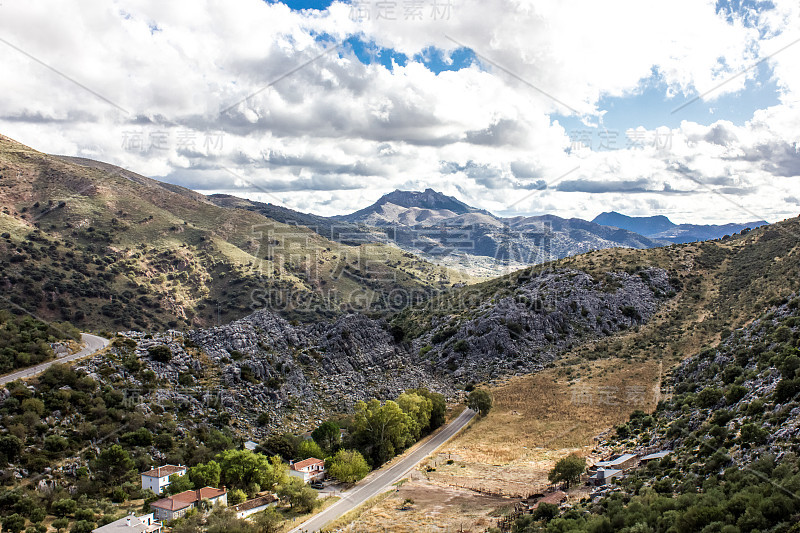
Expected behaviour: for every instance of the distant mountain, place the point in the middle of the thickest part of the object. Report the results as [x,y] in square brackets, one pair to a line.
[662,228]
[107,248]
[453,232]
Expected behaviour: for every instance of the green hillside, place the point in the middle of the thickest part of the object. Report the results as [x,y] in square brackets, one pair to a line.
[107,248]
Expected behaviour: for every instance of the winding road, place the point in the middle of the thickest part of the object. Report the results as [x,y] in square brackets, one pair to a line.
[92,343]
[382,479]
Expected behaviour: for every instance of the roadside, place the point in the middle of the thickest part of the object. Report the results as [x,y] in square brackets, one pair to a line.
[91,345]
[380,480]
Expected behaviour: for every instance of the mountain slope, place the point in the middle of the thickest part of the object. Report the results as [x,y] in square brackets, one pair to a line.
[660,227]
[107,248]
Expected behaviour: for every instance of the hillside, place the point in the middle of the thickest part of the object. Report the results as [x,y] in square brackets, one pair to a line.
[107,248]
[662,228]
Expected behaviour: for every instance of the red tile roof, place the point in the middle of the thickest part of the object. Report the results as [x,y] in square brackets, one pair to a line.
[299,465]
[186,498]
[255,502]
[163,471]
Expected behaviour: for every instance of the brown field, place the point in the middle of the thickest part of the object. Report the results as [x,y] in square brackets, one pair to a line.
[536,420]
[540,418]
[435,509]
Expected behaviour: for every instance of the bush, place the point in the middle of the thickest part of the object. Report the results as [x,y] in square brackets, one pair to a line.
[161,353]
[236,496]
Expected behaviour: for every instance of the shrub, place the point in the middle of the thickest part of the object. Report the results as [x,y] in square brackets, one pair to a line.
[161,353]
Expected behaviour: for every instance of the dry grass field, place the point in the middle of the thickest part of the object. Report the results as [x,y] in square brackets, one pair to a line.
[434,509]
[540,418]
[536,420]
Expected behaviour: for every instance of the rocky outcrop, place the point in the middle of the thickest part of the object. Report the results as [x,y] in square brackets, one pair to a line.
[298,373]
[539,318]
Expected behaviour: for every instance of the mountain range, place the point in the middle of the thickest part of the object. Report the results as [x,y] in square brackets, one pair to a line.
[661,228]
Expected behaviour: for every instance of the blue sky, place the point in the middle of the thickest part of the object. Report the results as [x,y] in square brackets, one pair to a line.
[324,135]
[649,107]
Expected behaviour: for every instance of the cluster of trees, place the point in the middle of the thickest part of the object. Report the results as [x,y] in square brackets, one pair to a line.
[376,432]
[25,341]
[382,430]
[243,472]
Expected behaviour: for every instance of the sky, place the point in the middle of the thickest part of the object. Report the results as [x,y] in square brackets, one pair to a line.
[688,108]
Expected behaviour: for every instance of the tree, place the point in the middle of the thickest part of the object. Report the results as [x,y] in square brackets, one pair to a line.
[236,496]
[13,523]
[328,435]
[268,521]
[309,448]
[567,470]
[419,409]
[82,526]
[114,464]
[348,466]
[299,495]
[284,445]
[480,400]
[246,470]
[64,507]
[10,446]
[60,524]
[381,431]
[205,475]
[438,408]
[178,483]
[546,511]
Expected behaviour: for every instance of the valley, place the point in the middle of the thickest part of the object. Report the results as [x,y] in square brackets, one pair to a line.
[226,326]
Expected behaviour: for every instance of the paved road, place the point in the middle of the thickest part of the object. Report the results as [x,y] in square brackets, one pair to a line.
[93,343]
[381,480]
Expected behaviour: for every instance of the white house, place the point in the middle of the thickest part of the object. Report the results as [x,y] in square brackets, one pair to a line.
[132,524]
[255,505]
[311,469]
[157,479]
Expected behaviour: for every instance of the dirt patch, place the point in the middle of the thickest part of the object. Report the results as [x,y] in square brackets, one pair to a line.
[540,418]
[435,509]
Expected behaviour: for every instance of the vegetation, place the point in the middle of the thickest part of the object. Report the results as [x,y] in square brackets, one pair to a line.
[567,470]
[480,401]
[25,341]
[348,466]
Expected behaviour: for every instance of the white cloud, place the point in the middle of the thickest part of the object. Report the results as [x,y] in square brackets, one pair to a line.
[335,134]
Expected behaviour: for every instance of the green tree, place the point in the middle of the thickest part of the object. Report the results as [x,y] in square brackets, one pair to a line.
[236,496]
[328,435]
[480,401]
[298,494]
[114,464]
[438,408]
[246,470]
[13,523]
[205,475]
[64,507]
[381,431]
[348,466]
[160,353]
[178,484]
[567,470]
[419,409]
[309,448]
[60,524]
[10,447]
[284,445]
[82,526]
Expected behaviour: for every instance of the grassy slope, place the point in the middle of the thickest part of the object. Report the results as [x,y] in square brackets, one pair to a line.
[117,250]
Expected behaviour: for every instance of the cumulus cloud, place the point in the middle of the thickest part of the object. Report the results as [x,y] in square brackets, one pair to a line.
[255,99]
